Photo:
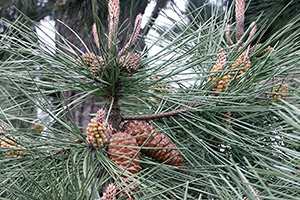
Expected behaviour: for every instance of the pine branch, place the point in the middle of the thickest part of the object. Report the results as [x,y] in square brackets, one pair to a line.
[160,115]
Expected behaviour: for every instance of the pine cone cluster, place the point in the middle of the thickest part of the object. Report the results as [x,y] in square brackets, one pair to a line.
[110,193]
[123,153]
[279,91]
[92,61]
[242,65]
[164,149]
[131,63]
[98,130]
[161,87]
[223,83]
[9,141]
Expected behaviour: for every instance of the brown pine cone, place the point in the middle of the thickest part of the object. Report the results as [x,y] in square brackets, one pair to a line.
[122,155]
[131,64]
[165,150]
[110,193]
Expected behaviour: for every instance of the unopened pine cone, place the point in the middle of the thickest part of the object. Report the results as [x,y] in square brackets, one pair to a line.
[165,149]
[92,61]
[131,63]
[123,156]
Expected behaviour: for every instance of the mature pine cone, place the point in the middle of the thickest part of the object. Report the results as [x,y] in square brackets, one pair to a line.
[110,193]
[131,64]
[222,84]
[98,130]
[165,150]
[92,61]
[122,155]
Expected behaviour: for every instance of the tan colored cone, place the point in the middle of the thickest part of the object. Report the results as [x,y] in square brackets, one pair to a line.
[241,65]
[9,141]
[110,193]
[98,130]
[165,149]
[122,153]
[279,92]
[223,83]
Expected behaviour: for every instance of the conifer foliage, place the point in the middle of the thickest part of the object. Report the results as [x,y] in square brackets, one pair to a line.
[213,114]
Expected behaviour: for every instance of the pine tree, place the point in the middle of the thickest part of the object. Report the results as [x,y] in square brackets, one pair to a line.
[163,131]
[75,16]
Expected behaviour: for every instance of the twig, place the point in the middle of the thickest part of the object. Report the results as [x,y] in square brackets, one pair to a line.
[159,115]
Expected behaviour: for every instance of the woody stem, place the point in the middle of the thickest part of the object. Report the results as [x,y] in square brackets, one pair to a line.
[159,115]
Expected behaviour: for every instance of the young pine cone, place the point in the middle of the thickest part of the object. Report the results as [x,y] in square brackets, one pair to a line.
[123,156]
[110,193]
[97,130]
[131,64]
[8,141]
[165,149]
[92,61]
[223,83]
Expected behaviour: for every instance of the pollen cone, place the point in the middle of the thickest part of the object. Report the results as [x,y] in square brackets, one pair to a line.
[222,84]
[242,65]
[9,141]
[98,130]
